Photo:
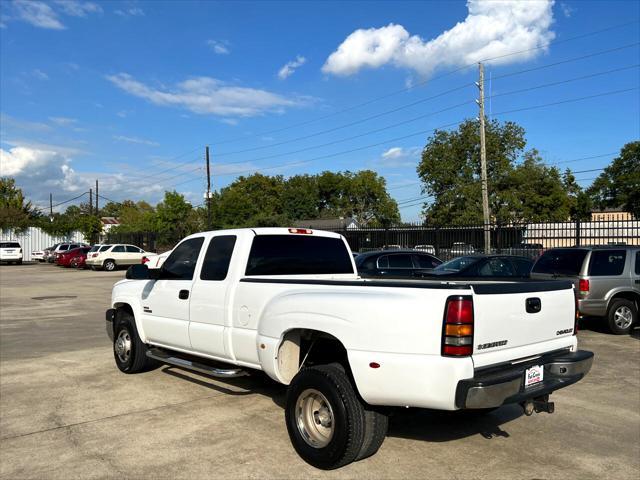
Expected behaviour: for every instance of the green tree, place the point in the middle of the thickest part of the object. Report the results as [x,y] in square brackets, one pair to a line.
[366,199]
[619,185]
[450,173]
[15,212]
[300,197]
[250,198]
[173,218]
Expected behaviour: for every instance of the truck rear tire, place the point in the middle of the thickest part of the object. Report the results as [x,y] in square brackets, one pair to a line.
[622,316]
[376,425]
[325,418]
[129,352]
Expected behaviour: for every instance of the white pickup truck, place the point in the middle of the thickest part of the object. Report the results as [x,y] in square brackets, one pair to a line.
[289,302]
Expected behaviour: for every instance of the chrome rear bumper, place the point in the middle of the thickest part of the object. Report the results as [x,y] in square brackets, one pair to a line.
[493,387]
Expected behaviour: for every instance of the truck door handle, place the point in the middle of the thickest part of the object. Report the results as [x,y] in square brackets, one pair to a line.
[183,295]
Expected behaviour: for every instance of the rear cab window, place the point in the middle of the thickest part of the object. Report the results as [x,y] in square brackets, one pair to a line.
[298,255]
[605,263]
[561,262]
[218,258]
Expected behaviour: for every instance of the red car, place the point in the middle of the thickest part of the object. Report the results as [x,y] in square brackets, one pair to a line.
[64,258]
[79,261]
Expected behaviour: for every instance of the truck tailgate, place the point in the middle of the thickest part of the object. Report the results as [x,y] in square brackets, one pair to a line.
[517,320]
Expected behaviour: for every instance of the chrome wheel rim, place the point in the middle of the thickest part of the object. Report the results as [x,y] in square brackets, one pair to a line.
[109,266]
[623,317]
[122,346]
[314,418]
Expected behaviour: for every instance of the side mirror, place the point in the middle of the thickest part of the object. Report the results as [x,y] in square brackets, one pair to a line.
[142,272]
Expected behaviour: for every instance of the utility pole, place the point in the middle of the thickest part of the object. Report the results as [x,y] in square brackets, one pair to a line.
[90,202]
[483,165]
[51,206]
[97,209]
[208,189]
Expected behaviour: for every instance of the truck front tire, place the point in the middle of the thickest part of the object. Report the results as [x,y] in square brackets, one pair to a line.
[129,352]
[325,418]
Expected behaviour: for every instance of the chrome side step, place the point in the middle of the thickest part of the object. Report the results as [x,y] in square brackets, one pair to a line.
[166,357]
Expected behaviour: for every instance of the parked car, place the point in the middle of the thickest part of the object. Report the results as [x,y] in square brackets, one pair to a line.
[47,252]
[11,252]
[395,263]
[153,260]
[64,258]
[62,248]
[606,279]
[461,248]
[79,261]
[110,257]
[426,248]
[471,266]
[291,305]
[391,247]
[37,255]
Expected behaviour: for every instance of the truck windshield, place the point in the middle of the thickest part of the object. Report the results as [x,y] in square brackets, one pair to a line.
[298,255]
[560,262]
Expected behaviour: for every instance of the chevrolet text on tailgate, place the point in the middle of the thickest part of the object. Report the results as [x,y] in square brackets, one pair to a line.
[289,302]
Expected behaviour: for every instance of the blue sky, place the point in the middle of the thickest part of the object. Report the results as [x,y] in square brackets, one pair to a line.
[131,92]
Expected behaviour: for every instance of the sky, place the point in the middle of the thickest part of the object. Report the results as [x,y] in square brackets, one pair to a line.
[131,92]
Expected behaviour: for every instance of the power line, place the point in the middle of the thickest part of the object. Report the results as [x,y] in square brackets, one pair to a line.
[568,60]
[351,124]
[569,80]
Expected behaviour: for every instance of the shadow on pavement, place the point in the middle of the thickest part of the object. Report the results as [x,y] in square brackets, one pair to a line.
[413,423]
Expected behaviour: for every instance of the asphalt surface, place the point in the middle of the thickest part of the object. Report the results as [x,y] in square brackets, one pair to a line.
[67,412]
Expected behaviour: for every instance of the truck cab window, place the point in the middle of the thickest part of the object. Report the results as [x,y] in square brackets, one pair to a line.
[182,262]
[218,257]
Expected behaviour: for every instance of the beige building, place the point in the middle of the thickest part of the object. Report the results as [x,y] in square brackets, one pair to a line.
[610,214]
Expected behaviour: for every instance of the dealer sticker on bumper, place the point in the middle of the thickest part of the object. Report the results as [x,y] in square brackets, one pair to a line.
[533,375]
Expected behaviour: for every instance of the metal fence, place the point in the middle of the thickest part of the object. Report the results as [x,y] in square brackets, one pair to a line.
[446,242]
[33,239]
[519,239]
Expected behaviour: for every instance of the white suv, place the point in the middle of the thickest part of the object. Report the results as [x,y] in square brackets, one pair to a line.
[10,252]
[109,257]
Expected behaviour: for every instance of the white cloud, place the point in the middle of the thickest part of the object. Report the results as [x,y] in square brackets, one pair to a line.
[77,8]
[39,74]
[399,157]
[63,121]
[567,10]
[206,95]
[38,14]
[9,122]
[291,67]
[219,47]
[137,140]
[130,12]
[492,28]
[48,169]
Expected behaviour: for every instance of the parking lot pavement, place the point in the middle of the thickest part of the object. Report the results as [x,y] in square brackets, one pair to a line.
[67,412]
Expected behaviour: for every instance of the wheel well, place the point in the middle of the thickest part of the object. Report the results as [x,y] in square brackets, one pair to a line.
[308,347]
[124,306]
[631,296]
[109,260]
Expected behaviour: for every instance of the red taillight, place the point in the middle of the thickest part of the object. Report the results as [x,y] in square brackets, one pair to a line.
[457,331]
[144,260]
[304,231]
[583,286]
